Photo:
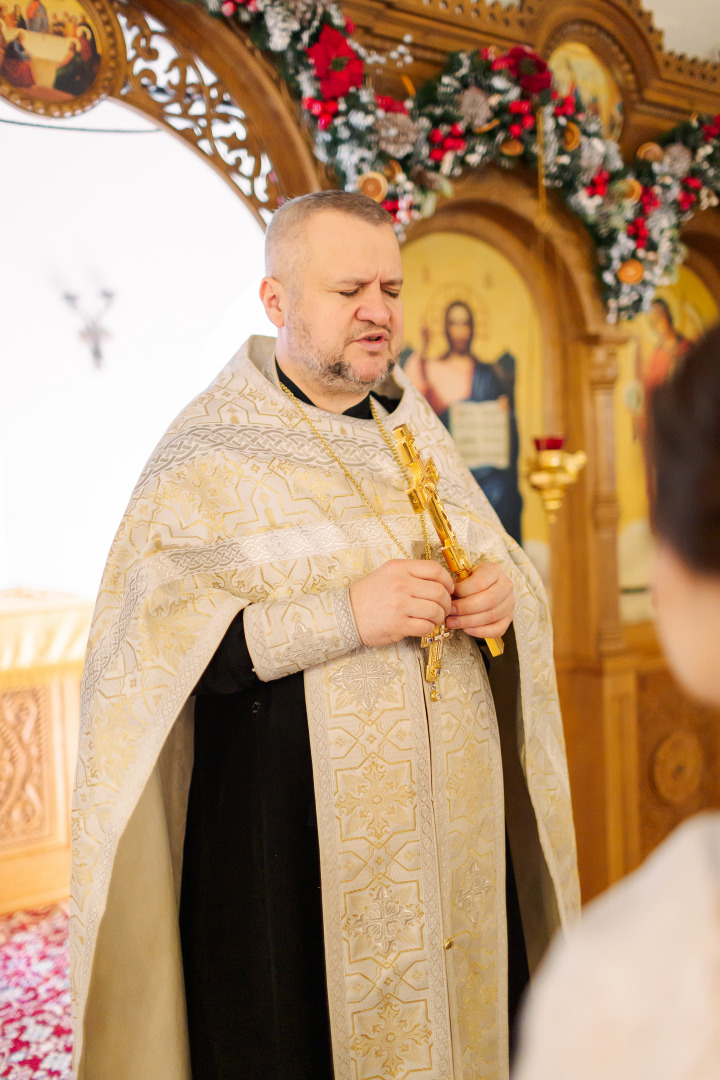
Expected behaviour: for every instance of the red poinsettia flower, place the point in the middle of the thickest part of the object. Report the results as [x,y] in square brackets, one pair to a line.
[337,65]
[527,67]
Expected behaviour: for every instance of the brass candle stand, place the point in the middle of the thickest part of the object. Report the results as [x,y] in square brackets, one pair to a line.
[551,471]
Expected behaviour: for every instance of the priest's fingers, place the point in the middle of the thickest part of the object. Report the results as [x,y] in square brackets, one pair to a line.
[479,613]
[483,600]
[427,570]
[490,630]
[431,592]
[386,600]
[486,575]
[420,627]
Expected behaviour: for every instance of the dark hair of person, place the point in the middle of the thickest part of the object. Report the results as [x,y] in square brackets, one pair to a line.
[684,456]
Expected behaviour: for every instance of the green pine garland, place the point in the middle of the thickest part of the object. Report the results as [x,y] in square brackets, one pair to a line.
[481,109]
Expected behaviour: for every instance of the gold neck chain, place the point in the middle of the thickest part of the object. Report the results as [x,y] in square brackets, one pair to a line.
[356,483]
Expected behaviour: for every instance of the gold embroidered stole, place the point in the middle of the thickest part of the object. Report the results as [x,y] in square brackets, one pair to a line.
[410,816]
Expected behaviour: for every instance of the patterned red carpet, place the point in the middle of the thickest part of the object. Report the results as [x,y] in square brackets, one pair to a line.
[34,996]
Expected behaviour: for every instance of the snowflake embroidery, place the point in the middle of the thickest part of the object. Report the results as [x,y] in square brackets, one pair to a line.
[377,799]
[470,897]
[363,677]
[383,919]
[392,1040]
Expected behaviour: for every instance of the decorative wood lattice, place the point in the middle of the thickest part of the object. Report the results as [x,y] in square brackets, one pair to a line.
[177,90]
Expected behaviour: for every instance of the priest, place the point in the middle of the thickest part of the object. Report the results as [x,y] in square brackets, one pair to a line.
[293,859]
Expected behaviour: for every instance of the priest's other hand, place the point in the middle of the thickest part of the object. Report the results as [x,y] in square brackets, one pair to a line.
[483,604]
[402,598]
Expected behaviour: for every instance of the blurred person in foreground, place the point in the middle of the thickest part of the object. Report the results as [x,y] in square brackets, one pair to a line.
[634,992]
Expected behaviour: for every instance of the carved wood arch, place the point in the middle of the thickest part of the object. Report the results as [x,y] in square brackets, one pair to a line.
[629,66]
[207,85]
[622,35]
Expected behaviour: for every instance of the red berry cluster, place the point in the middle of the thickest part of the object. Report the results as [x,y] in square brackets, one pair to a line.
[712,130]
[390,104]
[522,109]
[599,183]
[443,142]
[566,107]
[689,192]
[323,111]
[649,200]
[638,228]
[230,6]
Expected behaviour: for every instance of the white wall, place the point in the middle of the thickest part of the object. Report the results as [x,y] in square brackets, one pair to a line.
[142,216]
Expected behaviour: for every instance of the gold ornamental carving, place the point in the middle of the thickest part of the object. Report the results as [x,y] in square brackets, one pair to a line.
[605,46]
[25,797]
[677,767]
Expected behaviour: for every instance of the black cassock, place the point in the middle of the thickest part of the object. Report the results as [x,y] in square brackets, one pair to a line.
[250,907]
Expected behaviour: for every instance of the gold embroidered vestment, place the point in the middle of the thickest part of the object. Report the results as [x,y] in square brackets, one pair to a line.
[241,507]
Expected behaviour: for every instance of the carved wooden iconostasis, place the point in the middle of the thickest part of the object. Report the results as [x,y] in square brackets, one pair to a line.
[521,281]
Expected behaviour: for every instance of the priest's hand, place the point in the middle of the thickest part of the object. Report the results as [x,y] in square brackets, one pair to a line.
[483,604]
[402,598]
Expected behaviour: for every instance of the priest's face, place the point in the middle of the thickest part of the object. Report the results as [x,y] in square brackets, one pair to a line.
[343,319]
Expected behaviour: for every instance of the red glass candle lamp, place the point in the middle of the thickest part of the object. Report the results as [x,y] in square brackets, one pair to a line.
[552,470]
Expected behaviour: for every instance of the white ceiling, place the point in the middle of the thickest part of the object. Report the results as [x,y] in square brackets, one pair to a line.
[689,26]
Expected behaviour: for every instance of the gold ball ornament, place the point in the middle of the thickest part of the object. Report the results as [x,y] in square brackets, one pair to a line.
[631,272]
[650,151]
[572,137]
[374,185]
[512,148]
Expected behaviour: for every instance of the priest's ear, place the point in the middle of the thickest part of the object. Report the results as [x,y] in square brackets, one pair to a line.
[274,299]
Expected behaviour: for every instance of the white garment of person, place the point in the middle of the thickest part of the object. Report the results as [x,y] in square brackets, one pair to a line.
[633,993]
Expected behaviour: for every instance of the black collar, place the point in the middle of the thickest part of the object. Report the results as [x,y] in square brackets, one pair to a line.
[361,411]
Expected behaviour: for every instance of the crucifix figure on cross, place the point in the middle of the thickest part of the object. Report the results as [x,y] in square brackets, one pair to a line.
[423,495]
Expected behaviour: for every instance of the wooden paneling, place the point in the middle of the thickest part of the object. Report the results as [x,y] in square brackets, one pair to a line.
[38,745]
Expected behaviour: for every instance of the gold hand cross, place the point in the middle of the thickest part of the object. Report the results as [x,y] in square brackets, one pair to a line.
[423,495]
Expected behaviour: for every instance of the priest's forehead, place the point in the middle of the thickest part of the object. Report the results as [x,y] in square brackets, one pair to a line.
[285,239]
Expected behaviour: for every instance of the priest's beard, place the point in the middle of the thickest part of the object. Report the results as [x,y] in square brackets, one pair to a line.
[331,369]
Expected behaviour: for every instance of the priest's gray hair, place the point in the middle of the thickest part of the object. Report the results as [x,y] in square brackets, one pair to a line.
[282,254]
